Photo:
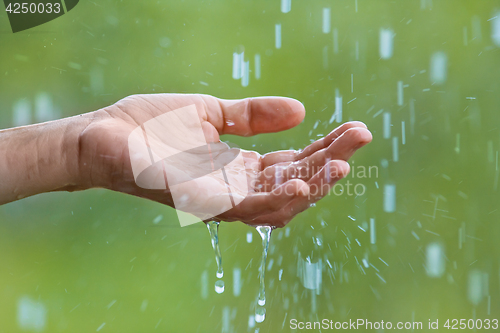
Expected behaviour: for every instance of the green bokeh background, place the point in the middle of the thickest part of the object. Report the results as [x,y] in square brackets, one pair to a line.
[97,257]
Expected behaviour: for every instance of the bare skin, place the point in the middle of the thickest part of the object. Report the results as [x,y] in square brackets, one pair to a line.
[91,150]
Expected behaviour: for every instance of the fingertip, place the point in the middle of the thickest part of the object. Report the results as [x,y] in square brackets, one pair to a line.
[341,168]
[296,187]
[297,109]
[366,135]
[303,189]
[361,136]
[356,123]
[275,114]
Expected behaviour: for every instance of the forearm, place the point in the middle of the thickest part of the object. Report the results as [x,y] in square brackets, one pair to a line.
[41,158]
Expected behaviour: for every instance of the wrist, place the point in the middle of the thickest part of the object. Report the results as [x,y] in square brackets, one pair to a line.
[75,162]
[87,163]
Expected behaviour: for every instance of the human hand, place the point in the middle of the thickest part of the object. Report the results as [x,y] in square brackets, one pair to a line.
[278,184]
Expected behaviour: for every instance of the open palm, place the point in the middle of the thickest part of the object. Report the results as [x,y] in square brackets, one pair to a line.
[279,184]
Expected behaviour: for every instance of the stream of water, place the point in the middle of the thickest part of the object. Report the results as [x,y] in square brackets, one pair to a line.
[213,229]
[265,234]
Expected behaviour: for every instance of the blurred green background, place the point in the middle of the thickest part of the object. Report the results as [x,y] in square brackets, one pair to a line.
[108,262]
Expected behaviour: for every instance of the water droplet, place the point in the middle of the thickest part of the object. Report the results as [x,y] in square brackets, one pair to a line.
[165,42]
[260,314]
[236,281]
[219,286]
[435,263]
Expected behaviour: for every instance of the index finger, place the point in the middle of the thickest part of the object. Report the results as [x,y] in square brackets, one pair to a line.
[295,155]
